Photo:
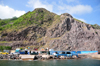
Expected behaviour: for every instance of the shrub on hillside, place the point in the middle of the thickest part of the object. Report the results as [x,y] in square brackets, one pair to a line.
[95,26]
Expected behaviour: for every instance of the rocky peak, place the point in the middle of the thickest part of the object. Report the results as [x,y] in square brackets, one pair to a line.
[46,29]
[67,14]
[39,9]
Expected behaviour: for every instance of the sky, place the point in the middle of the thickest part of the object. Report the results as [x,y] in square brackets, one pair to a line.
[84,10]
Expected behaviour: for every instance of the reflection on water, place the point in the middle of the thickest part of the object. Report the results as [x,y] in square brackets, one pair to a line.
[69,62]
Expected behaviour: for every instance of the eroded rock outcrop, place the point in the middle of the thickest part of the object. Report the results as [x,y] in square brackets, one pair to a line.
[64,33]
[73,35]
[30,33]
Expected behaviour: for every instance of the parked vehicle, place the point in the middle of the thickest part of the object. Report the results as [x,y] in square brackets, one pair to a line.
[44,52]
[4,53]
[23,52]
[33,53]
[64,53]
[75,53]
[15,53]
[68,54]
[56,54]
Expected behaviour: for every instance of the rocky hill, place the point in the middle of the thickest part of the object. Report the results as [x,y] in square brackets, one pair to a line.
[41,28]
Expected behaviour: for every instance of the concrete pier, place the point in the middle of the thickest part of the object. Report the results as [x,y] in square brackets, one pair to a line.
[27,57]
[96,56]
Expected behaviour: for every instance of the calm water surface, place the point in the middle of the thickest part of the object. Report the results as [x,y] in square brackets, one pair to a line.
[72,62]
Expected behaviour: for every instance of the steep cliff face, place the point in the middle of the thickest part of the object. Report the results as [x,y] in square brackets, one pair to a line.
[73,35]
[60,32]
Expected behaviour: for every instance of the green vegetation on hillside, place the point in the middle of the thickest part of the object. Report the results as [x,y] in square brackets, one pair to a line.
[6,23]
[38,17]
[79,20]
[5,48]
[95,26]
[5,42]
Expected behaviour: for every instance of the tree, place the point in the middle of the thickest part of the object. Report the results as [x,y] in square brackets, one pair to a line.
[14,18]
[1,48]
[5,48]
[8,48]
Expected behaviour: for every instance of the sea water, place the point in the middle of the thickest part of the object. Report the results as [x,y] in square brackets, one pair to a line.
[67,62]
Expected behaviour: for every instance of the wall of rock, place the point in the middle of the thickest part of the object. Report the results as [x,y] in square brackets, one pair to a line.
[68,34]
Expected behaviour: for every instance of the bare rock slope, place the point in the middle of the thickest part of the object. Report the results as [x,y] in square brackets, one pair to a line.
[63,33]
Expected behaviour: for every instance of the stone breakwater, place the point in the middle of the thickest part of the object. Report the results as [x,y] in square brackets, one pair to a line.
[42,57]
[10,56]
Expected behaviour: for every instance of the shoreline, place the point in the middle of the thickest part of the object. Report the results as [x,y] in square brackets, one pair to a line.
[37,58]
[44,60]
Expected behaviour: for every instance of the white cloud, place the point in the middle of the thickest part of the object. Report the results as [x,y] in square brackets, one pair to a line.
[39,4]
[69,1]
[61,7]
[78,9]
[82,20]
[7,12]
[73,1]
